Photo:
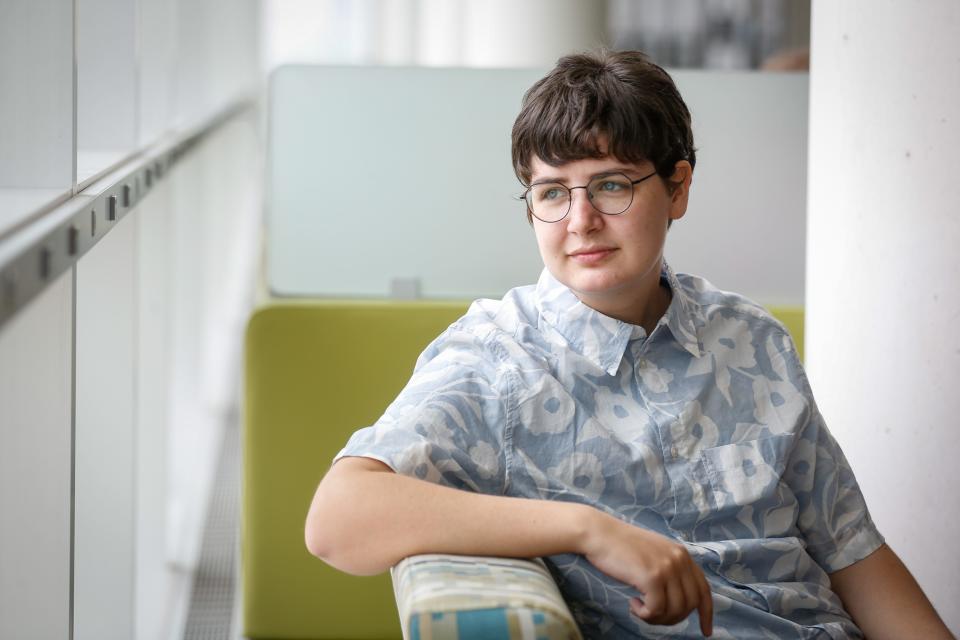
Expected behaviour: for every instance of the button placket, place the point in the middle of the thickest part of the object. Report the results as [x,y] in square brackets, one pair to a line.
[682,472]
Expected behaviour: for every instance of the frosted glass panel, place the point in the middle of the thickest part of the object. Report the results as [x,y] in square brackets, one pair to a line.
[745,227]
[382,173]
[36,107]
[106,84]
[402,176]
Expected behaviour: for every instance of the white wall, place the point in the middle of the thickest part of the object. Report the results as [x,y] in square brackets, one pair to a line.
[106,455]
[155,584]
[36,405]
[104,437]
[883,268]
[116,384]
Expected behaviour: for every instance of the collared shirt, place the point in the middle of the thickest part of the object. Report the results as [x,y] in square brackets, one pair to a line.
[705,431]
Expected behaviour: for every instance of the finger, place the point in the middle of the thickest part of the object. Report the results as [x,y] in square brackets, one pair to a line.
[675,608]
[705,607]
[691,588]
[652,604]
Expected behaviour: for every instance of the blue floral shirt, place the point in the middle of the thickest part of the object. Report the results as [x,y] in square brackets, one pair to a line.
[705,431]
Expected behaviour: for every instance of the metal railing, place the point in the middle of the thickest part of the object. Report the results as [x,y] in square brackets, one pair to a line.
[34,254]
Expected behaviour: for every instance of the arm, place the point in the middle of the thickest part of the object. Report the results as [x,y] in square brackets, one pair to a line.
[884,599]
[364,519]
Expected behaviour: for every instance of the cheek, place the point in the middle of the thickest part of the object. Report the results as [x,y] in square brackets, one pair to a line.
[548,241]
[647,230]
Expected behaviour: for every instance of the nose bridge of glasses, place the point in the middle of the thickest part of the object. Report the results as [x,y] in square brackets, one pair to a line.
[586,189]
[588,206]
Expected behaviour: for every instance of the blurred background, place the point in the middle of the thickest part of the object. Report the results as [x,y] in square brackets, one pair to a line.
[708,34]
[167,167]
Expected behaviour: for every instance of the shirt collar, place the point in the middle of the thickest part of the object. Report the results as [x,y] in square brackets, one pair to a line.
[684,317]
[602,339]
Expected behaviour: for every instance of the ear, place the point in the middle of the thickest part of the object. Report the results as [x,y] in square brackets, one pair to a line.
[680,183]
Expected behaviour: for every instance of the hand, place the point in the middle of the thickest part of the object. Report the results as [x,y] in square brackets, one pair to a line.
[671,582]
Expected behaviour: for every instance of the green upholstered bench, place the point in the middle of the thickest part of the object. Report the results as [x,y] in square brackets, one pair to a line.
[792,319]
[315,371]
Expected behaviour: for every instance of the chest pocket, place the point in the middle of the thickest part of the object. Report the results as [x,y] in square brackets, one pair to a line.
[746,473]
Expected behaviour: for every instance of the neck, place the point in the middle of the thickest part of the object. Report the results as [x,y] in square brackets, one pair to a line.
[650,313]
[644,308]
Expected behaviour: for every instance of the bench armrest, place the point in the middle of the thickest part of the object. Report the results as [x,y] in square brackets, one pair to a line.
[468,597]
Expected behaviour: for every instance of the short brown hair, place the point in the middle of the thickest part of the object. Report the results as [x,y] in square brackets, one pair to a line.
[618,95]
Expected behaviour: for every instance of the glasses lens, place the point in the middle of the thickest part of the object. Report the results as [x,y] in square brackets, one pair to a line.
[611,194]
[549,201]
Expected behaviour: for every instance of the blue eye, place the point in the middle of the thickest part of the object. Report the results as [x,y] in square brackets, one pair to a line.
[550,193]
[610,186]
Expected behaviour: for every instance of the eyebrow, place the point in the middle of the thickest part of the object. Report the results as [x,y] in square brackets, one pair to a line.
[550,179]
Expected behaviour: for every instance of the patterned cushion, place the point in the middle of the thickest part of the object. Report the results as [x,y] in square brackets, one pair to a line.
[467,597]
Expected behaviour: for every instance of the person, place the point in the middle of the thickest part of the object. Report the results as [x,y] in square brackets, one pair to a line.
[654,438]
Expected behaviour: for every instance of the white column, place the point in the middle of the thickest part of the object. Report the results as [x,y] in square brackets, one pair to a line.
[533,33]
[397,32]
[883,267]
[439,33]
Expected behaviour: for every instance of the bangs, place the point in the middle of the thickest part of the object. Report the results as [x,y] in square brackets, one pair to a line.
[587,131]
[590,107]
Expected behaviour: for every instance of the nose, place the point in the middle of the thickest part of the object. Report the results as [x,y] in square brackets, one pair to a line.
[583,217]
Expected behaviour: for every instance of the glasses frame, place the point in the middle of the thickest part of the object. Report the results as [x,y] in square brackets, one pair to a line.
[525,196]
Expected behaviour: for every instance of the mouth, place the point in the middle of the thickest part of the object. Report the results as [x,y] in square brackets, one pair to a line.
[591,255]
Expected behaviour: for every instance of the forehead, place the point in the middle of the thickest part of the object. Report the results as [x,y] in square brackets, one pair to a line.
[582,169]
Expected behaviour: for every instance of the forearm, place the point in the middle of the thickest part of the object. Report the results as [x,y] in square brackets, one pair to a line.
[364,519]
[885,601]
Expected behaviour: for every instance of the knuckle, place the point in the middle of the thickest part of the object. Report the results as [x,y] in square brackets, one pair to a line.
[658,574]
[679,556]
[666,617]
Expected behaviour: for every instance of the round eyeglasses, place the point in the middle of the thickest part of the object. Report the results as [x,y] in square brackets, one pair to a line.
[609,193]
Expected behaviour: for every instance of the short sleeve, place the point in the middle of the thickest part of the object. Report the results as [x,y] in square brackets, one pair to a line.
[447,425]
[833,514]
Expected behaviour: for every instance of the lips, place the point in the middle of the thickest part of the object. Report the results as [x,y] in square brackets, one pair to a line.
[591,255]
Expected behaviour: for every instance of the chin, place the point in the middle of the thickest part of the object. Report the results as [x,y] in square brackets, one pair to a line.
[594,284]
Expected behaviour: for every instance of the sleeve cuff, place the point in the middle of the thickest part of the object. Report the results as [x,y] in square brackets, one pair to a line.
[856,548]
[346,453]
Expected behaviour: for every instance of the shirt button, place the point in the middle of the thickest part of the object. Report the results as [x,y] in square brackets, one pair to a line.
[673,451]
[643,363]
